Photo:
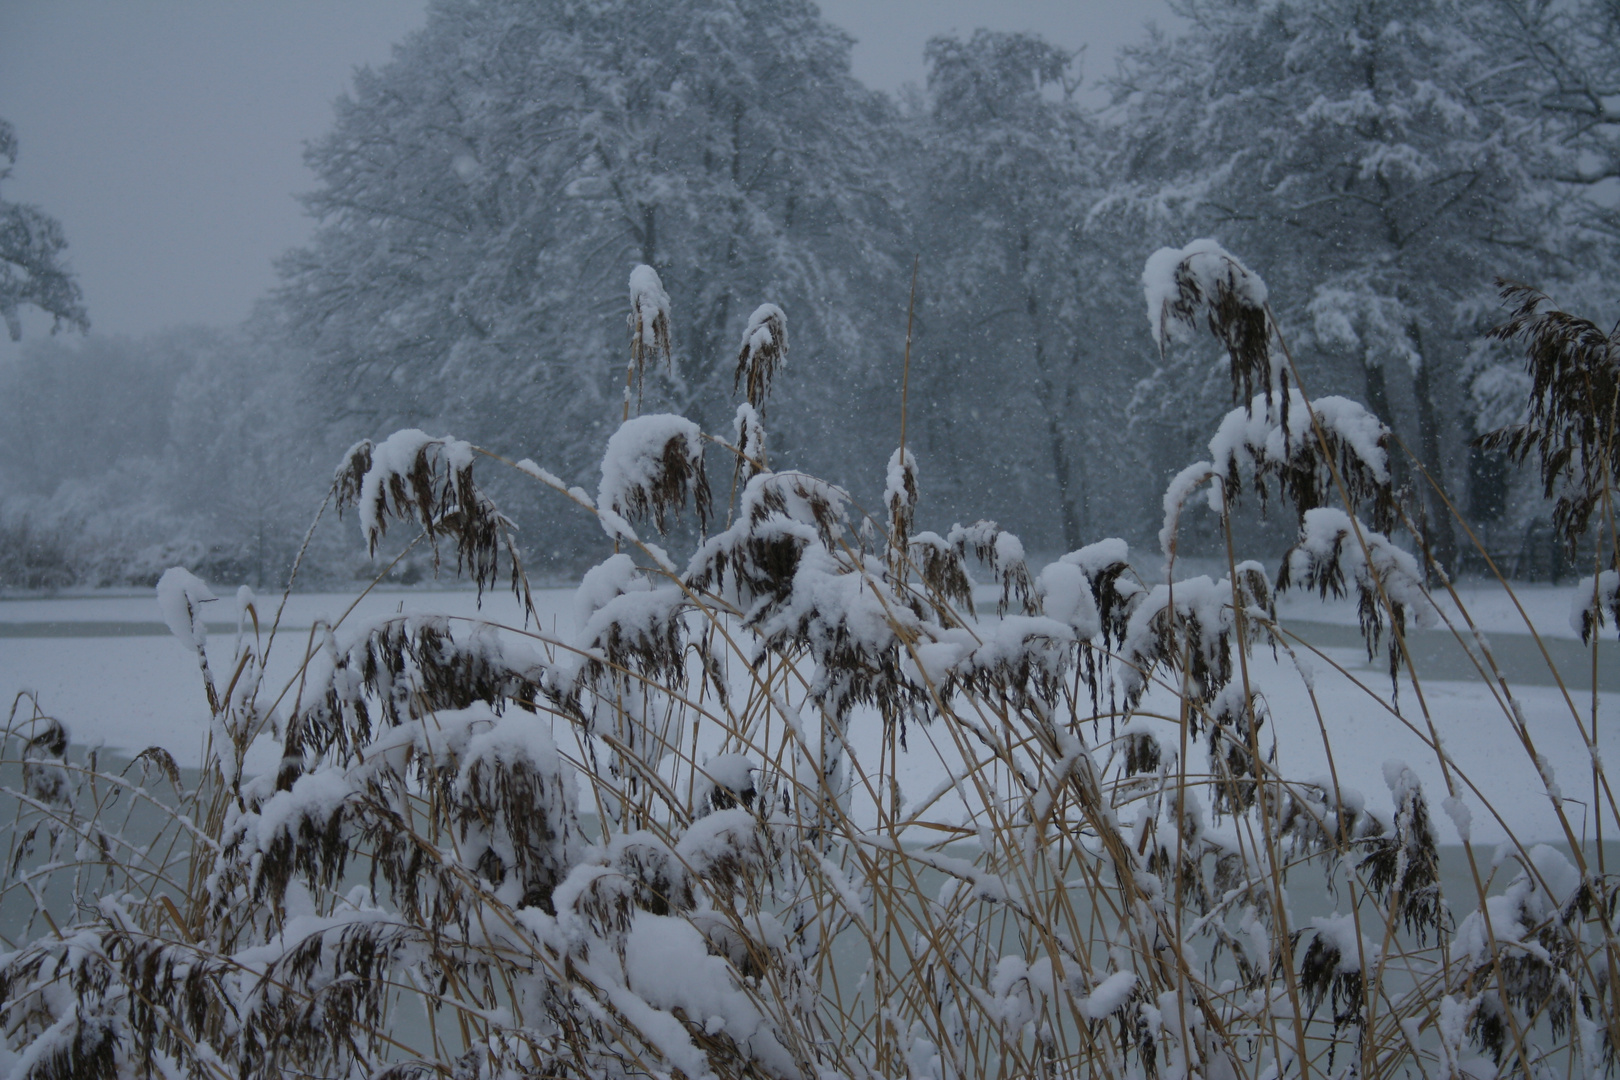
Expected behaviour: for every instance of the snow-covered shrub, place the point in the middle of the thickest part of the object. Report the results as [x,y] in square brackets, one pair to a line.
[684,835]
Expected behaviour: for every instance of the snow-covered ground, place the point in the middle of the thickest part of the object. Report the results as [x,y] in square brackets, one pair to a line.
[106,665]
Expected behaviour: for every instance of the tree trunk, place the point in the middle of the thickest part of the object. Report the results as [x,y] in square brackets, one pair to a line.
[1052,406]
[1061,474]
[1442,539]
[1378,402]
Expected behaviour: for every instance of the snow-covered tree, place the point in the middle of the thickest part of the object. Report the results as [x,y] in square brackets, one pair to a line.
[483,196]
[31,268]
[1381,163]
[1574,52]
[1016,283]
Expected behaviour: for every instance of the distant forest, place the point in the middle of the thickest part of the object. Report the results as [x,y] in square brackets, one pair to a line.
[483,197]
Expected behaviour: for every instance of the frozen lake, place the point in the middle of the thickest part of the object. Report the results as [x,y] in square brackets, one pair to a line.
[107,667]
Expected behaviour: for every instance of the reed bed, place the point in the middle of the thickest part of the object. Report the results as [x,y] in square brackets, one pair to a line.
[649,846]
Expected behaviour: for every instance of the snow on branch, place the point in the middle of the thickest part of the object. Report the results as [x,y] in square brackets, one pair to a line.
[1351,314]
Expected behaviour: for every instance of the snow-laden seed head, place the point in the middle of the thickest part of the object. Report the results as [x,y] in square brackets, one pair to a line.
[653,465]
[1189,627]
[1405,866]
[1204,280]
[900,494]
[1550,901]
[725,782]
[763,354]
[1316,816]
[640,632]
[1574,407]
[1002,554]
[350,475]
[403,668]
[649,318]
[658,879]
[750,435]
[411,476]
[779,517]
[1309,449]
[600,901]
[515,799]
[44,778]
[1331,969]
[1336,554]
[724,850]
[1116,594]
[1235,720]
[300,831]
[1142,753]
[1596,603]
[941,568]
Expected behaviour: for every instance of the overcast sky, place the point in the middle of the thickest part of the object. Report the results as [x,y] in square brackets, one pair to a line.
[167,135]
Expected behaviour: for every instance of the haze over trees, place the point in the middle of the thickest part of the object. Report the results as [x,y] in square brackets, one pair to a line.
[482,196]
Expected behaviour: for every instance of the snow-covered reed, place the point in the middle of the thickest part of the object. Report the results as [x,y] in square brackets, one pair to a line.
[649,844]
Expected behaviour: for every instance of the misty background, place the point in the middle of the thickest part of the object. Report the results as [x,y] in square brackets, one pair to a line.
[269,278]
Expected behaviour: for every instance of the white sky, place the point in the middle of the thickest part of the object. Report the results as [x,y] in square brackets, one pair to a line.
[167,135]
